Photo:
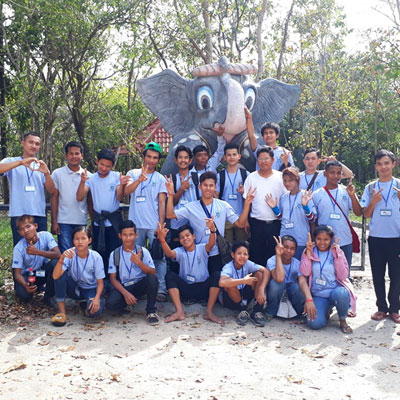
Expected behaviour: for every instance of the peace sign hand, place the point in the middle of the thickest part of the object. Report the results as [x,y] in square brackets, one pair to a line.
[136,258]
[309,246]
[162,231]
[376,196]
[250,195]
[84,176]
[143,176]
[285,157]
[279,246]
[351,190]
[335,243]
[169,184]
[185,183]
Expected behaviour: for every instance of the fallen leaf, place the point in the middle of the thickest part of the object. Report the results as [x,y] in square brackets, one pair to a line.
[51,333]
[44,342]
[15,367]
[69,348]
[115,378]
[291,379]
[75,339]
[68,374]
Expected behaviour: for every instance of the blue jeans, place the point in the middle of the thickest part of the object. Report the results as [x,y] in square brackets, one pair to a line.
[274,294]
[161,265]
[339,297]
[65,286]
[348,253]
[65,236]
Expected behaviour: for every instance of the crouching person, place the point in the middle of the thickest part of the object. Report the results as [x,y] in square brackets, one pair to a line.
[79,275]
[243,280]
[194,281]
[132,274]
[284,270]
[35,255]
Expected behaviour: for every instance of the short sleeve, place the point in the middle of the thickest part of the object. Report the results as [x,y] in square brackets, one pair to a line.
[18,258]
[111,266]
[67,263]
[253,267]
[271,263]
[147,259]
[227,270]
[179,254]
[55,177]
[366,198]
[231,216]
[183,212]
[98,267]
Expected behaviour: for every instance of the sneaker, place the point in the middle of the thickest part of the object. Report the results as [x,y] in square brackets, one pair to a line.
[152,319]
[242,318]
[257,319]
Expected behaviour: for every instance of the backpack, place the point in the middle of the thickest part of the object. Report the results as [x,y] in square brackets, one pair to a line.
[243,174]
[371,186]
[117,257]
[195,180]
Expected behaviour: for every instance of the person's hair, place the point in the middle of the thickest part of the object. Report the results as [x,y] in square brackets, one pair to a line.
[333,163]
[82,228]
[127,224]
[270,125]
[106,154]
[31,133]
[208,175]
[185,149]
[382,153]
[73,144]
[323,228]
[24,218]
[155,151]
[199,148]
[237,245]
[292,173]
[231,146]
[265,149]
[185,228]
[312,150]
[289,238]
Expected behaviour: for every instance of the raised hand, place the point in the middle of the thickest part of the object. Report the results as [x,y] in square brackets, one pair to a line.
[307,196]
[309,246]
[250,195]
[240,189]
[169,184]
[143,176]
[247,114]
[84,176]
[210,223]
[185,183]
[376,196]
[26,162]
[136,258]
[351,190]
[42,167]
[123,179]
[69,253]
[271,201]
[335,243]
[285,156]
[279,246]
[162,231]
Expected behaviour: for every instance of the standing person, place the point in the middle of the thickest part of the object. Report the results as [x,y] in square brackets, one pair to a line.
[230,189]
[333,209]
[264,224]
[28,178]
[148,194]
[67,213]
[380,202]
[107,190]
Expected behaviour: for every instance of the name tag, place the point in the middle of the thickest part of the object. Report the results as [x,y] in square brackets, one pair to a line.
[334,216]
[289,225]
[208,232]
[129,283]
[40,273]
[190,278]
[386,213]
[77,291]
[320,282]
[140,199]
[29,188]
[232,197]
[183,202]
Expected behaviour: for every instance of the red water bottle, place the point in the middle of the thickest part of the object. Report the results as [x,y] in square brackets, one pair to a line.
[31,277]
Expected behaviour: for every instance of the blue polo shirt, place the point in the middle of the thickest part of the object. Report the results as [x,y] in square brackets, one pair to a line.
[291,270]
[193,265]
[230,271]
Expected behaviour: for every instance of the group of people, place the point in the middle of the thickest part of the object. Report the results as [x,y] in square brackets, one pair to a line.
[290,240]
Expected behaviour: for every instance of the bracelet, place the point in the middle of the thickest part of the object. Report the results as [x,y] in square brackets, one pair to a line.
[307,209]
[310,300]
[213,231]
[276,210]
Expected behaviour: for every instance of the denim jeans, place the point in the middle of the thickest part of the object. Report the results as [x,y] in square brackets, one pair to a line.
[274,294]
[348,253]
[339,297]
[65,236]
[161,265]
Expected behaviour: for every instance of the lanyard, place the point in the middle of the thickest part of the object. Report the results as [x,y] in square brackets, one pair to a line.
[388,194]
[37,245]
[333,202]
[126,265]
[238,277]
[194,258]
[79,276]
[144,187]
[234,179]
[29,176]
[321,266]
[208,213]
[290,269]
[291,207]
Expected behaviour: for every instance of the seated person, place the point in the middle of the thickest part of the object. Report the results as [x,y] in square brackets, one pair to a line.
[37,251]
[327,270]
[79,275]
[132,274]
[194,281]
[284,271]
[243,280]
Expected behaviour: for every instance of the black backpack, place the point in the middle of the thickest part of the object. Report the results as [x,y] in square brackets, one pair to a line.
[243,174]
[195,180]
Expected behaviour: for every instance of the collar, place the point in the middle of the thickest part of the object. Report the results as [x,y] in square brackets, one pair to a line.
[70,172]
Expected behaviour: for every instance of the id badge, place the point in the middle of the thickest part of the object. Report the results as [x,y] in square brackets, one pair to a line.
[183,202]
[320,282]
[334,216]
[77,291]
[129,283]
[40,273]
[140,199]
[244,302]
[386,213]
[190,278]
[289,225]
[29,188]
[208,232]
[232,197]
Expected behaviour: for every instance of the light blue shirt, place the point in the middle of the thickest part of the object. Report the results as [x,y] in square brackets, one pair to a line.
[85,271]
[305,179]
[143,206]
[294,220]
[24,261]
[104,192]
[325,271]
[193,265]
[277,164]
[27,194]
[230,271]
[230,194]
[219,209]
[329,214]
[129,272]
[291,270]
[383,225]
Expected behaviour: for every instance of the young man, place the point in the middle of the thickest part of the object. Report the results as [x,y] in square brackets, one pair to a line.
[270,132]
[329,213]
[132,274]
[230,189]
[264,224]
[148,194]
[193,281]
[28,178]
[107,190]
[37,251]
[208,207]
[312,160]
[380,202]
[66,212]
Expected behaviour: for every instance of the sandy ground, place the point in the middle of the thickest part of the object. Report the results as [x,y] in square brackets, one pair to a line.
[124,358]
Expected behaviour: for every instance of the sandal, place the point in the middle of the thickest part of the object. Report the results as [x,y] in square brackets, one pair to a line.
[351,314]
[59,320]
[379,316]
[346,329]
[395,317]
[161,297]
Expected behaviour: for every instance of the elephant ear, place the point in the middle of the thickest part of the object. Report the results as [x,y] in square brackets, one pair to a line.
[166,95]
[274,100]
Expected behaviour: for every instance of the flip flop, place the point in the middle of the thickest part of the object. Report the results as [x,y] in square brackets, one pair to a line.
[59,319]
[379,316]
[395,317]
[346,329]
[351,314]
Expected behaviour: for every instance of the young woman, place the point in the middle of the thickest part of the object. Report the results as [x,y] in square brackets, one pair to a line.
[79,275]
[325,266]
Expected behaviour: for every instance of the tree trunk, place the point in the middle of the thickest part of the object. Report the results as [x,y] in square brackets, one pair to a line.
[260,56]
[206,19]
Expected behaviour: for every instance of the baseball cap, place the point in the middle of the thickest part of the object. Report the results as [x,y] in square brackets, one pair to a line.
[153,146]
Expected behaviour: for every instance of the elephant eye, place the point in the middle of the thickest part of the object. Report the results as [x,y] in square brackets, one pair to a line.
[205,98]
[250,98]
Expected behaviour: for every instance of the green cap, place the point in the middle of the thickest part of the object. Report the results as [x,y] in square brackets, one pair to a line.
[153,146]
